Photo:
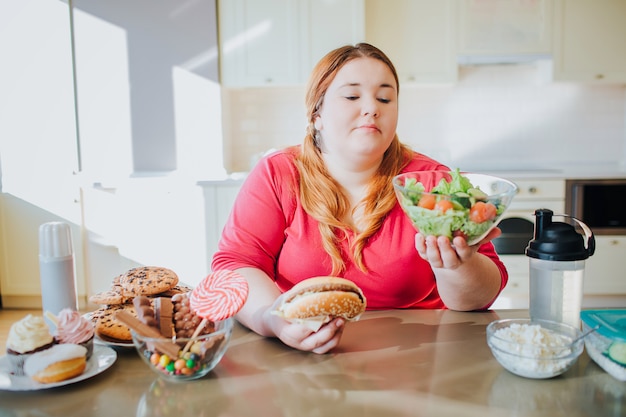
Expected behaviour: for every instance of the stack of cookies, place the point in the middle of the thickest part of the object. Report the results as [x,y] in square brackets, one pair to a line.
[145,281]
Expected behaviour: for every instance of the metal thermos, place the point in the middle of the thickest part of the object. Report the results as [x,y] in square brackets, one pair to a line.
[557,256]
[56,268]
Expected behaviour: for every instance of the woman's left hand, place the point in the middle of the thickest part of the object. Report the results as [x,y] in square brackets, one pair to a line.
[440,252]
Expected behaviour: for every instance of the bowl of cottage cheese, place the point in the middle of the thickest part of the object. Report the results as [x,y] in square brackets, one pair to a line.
[537,349]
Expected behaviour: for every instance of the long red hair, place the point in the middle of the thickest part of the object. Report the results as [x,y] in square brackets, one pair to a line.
[322,197]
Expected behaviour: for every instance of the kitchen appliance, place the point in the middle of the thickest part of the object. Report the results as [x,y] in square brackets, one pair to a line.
[599,203]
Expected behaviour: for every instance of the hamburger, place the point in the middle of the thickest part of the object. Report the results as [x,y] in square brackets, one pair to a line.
[315,301]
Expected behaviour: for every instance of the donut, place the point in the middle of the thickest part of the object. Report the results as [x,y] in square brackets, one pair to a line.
[60,362]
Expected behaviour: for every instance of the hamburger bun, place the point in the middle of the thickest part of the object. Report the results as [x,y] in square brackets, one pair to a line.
[323,298]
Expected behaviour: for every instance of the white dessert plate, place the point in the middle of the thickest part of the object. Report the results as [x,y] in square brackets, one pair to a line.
[112,343]
[101,360]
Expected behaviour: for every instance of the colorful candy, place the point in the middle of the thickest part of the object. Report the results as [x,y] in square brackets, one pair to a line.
[218,297]
[186,365]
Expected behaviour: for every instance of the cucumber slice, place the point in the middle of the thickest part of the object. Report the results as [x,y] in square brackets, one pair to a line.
[457,205]
[617,352]
[461,201]
[477,193]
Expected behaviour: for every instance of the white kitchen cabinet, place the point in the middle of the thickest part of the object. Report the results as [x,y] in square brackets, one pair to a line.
[153,221]
[219,197]
[517,267]
[509,29]
[589,41]
[330,24]
[604,271]
[533,194]
[277,42]
[419,36]
[259,42]
[160,221]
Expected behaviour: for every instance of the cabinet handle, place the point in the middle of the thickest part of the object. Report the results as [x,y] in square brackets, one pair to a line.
[532,190]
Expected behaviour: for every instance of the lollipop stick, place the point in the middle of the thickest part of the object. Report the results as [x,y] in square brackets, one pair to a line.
[195,334]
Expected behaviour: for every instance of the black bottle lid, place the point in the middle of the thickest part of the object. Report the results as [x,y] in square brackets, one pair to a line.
[557,241]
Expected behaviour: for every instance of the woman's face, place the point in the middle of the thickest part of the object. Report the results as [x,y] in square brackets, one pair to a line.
[359,114]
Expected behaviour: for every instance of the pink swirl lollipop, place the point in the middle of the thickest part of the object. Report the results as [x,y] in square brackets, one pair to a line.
[219,296]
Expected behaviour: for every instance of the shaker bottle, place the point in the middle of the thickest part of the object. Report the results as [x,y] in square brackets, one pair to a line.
[56,268]
[557,255]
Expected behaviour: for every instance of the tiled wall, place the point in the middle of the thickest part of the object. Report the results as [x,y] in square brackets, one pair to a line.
[495,117]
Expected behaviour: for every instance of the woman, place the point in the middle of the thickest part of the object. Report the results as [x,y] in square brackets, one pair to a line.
[328,207]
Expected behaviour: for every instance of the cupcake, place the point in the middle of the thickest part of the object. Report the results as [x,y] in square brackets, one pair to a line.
[73,328]
[27,336]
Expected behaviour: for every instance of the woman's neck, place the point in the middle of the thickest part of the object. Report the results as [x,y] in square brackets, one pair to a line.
[351,175]
[355,183]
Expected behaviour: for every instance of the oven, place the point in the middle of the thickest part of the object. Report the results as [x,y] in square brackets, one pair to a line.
[517,226]
[599,203]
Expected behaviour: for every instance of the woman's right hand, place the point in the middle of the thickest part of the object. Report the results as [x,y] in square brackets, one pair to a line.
[301,337]
[256,314]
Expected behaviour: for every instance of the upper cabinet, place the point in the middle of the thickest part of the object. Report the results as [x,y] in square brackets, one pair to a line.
[419,36]
[330,24]
[277,42]
[504,30]
[589,41]
[259,42]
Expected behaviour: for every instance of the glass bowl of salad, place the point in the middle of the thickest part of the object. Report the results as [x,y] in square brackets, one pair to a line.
[454,203]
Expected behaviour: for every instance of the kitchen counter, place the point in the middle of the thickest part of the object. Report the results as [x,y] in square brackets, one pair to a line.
[390,363]
[558,172]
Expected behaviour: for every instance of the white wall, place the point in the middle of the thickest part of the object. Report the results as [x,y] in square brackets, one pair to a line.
[496,117]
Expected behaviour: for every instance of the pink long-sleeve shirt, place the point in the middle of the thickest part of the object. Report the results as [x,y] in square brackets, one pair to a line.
[268,229]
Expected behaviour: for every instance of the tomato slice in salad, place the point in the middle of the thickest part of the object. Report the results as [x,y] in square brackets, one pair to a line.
[427,201]
[444,205]
[481,212]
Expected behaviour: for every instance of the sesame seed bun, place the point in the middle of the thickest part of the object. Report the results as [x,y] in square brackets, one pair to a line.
[321,297]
